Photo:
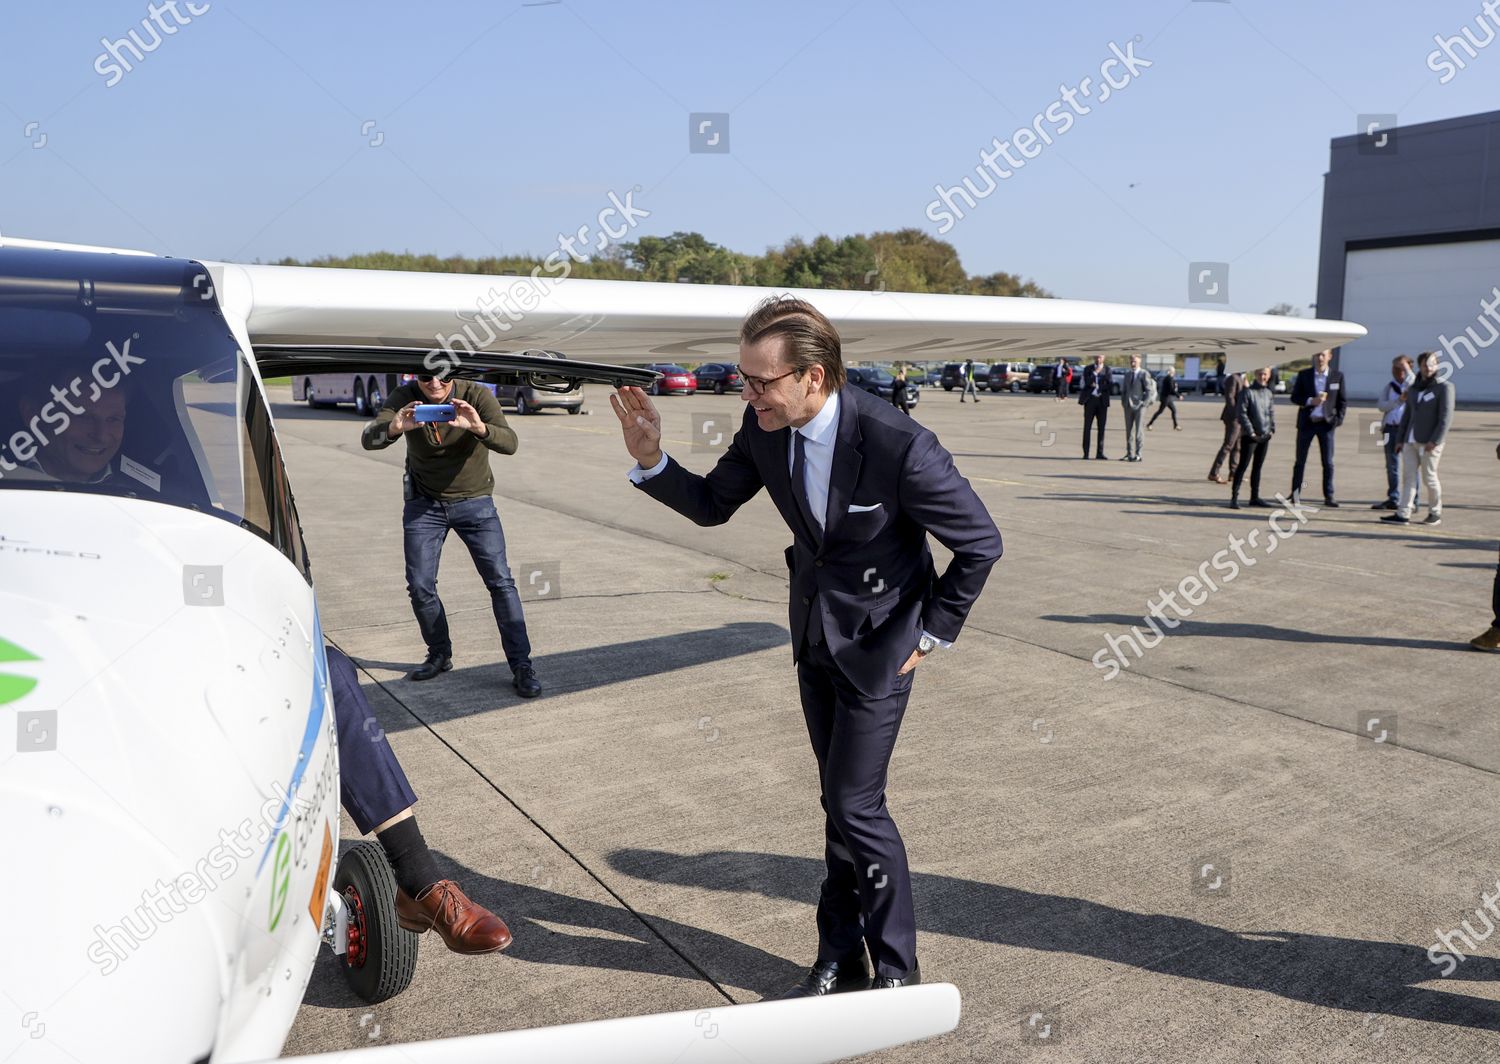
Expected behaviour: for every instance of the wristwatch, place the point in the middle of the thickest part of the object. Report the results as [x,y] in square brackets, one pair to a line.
[926,645]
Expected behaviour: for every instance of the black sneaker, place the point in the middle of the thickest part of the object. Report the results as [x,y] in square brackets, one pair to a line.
[1387,505]
[525,682]
[1397,519]
[1433,519]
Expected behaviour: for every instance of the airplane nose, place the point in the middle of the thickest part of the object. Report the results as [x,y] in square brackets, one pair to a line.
[112,952]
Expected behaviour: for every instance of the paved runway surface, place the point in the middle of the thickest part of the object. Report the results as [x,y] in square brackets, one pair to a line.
[650,826]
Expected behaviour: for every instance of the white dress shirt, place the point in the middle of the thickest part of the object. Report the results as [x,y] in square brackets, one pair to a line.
[1320,385]
[821,435]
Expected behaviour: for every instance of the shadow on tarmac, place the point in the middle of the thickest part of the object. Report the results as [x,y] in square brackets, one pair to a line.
[539,918]
[1237,630]
[474,689]
[1342,973]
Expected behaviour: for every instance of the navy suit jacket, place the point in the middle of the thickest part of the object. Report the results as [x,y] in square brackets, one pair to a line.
[871,572]
[1305,388]
[1086,392]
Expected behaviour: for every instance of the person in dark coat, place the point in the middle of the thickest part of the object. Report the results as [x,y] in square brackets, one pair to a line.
[1168,397]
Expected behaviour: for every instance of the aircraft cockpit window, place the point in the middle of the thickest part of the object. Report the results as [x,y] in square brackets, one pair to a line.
[133,386]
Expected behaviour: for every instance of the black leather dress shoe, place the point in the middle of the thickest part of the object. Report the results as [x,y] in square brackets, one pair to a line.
[886,982]
[434,664]
[833,977]
[1262,504]
[1330,502]
[525,682]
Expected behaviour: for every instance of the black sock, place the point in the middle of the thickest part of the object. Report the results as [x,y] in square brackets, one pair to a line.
[410,858]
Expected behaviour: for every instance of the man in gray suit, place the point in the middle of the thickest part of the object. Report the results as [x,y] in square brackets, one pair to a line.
[1137,391]
[1420,438]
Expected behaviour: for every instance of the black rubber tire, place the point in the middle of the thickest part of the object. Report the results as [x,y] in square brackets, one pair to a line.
[390,951]
[307,393]
[361,405]
[521,408]
[947,387]
[373,398]
[718,387]
[575,409]
[1015,387]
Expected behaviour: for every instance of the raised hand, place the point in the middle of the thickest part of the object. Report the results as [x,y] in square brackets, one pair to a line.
[466,417]
[639,423]
[405,420]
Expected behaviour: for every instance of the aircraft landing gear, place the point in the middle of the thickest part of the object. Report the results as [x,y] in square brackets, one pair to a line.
[380,957]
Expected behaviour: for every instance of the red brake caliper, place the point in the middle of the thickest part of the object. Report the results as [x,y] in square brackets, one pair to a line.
[358,936]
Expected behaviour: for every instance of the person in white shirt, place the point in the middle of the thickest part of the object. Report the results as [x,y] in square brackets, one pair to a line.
[1391,406]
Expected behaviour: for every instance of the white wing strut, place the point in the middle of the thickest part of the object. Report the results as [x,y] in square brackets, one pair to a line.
[806,1031]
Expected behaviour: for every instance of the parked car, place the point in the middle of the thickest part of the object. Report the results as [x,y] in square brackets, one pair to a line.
[879,382]
[529,400]
[1009,376]
[674,380]
[1043,377]
[952,376]
[719,377]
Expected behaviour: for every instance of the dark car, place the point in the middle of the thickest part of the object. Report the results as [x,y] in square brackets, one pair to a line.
[1043,378]
[719,377]
[673,380]
[879,382]
[953,376]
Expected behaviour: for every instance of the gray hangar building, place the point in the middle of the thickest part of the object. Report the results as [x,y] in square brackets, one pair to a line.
[1411,249]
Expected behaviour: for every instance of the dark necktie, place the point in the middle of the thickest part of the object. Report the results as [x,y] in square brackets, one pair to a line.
[799,485]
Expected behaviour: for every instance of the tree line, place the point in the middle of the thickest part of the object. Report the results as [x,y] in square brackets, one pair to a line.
[906,260]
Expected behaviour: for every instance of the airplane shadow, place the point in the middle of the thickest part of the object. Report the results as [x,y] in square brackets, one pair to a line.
[1240,630]
[1343,973]
[479,688]
[539,917]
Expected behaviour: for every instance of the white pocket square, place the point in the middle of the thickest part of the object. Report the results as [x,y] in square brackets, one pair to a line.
[855,508]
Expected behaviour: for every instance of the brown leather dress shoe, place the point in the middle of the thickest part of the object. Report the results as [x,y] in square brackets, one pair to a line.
[464,926]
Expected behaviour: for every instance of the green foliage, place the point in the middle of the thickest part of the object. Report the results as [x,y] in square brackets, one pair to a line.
[907,260]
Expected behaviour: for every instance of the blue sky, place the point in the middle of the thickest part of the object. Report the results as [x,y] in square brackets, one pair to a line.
[247,133]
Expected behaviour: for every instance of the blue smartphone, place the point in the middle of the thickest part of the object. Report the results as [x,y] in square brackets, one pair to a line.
[427,412]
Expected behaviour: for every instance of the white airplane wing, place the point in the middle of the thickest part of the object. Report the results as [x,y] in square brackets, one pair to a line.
[805,1031]
[305,309]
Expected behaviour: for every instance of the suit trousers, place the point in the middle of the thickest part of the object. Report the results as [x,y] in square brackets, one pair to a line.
[1416,460]
[1133,416]
[372,786]
[866,895]
[1229,451]
[1094,409]
[1321,431]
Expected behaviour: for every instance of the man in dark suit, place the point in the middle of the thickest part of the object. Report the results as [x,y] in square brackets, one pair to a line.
[860,488]
[1093,396]
[1318,395]
[1230,415]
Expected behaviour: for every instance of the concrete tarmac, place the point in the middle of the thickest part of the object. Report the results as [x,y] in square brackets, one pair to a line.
[1237,843]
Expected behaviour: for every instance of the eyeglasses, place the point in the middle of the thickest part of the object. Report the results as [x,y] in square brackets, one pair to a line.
[758,385]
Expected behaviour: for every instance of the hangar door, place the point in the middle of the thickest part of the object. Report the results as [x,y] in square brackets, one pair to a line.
[1410,296]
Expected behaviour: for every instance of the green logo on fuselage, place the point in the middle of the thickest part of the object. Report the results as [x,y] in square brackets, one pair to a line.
[281,878]
[14,687]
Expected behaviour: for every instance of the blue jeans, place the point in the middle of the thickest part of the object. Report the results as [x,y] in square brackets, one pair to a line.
[426,523]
